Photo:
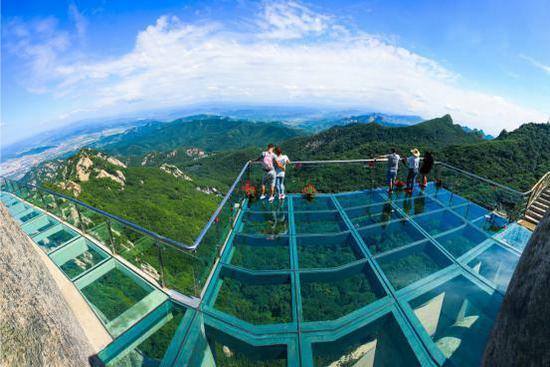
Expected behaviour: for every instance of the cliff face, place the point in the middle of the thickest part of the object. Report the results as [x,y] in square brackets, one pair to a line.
[37,327]
[521,335]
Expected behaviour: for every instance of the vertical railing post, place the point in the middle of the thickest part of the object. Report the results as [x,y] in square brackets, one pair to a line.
[161,262]
[17,189]
[111,237]
[42,200]
[81,223]
[60,208]
[12,187]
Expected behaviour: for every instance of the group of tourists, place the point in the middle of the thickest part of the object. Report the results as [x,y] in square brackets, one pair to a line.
[274,164]
[414,166]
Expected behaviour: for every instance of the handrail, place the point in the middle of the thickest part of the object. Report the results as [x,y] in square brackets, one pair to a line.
[538,188]
[489,181]
[544,177]
[220,207]
[132,225]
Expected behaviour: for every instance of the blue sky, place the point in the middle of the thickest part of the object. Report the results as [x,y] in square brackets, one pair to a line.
[487,63]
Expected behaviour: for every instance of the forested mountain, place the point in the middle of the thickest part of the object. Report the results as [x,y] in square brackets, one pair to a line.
[211,133]
[159,198]
[367,140]
[517,159]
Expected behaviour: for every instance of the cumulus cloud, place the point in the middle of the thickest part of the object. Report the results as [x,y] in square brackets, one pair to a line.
[174,63]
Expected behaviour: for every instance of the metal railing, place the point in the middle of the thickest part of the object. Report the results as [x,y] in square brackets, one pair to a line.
[537,189]
[185,267]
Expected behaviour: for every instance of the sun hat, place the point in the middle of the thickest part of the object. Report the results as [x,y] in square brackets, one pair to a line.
[415,152]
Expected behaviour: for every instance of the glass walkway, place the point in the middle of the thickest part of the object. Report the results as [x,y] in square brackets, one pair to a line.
[346,279]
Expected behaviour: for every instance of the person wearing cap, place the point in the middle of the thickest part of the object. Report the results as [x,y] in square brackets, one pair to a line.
[413,162]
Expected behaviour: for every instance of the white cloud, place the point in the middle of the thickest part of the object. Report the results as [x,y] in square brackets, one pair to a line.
[80,22]
[538,64]
[174,64]
[291,20]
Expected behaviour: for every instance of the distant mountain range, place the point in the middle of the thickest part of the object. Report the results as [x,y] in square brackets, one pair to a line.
[379,118]
[211,133]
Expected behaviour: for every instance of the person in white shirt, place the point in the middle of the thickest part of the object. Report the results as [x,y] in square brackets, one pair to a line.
[281,160]
[393,165]
[267,160]
[412,162]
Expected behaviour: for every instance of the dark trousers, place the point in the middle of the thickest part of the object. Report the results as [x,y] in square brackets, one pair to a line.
[411,178]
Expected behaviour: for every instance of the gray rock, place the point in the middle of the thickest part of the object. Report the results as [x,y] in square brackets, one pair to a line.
[37,327]
[521,334]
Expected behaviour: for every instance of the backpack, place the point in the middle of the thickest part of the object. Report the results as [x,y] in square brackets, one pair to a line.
[267,161]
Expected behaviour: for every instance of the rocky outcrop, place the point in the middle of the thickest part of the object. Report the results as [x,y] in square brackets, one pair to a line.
[174,171]
[521,335]
[83,168]
[37,327]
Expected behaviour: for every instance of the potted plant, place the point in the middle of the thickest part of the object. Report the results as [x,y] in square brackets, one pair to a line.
[249,190]
[309,192]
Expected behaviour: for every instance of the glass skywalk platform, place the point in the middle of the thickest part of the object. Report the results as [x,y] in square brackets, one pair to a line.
[346,279]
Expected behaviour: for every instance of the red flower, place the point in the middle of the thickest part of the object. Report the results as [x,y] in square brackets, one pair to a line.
[249,189]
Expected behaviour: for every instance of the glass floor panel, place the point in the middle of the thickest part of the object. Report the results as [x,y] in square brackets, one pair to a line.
[26,215]
[39,225]
[118,296]
[331,295]
[261,253]
[148,344]
[266,206]
[257,300]
[448,198]
[379,343]
[516,236]
[359,198]
[78,257]
[439,222]
[418,205]
[319,222]
[491,224]
[471,211]
[268,223]
[317,203]
[8,200]
[367,215]
[225,350]
[462,240]
[54,237]
[495,264]
[382,238]
[18,207]
[408,265]
[458,316]
[327,251]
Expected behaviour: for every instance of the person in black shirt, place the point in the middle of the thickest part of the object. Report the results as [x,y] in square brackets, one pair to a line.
[425,168]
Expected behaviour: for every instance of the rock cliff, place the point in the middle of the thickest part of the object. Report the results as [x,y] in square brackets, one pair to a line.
[37,327]
[521,335]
